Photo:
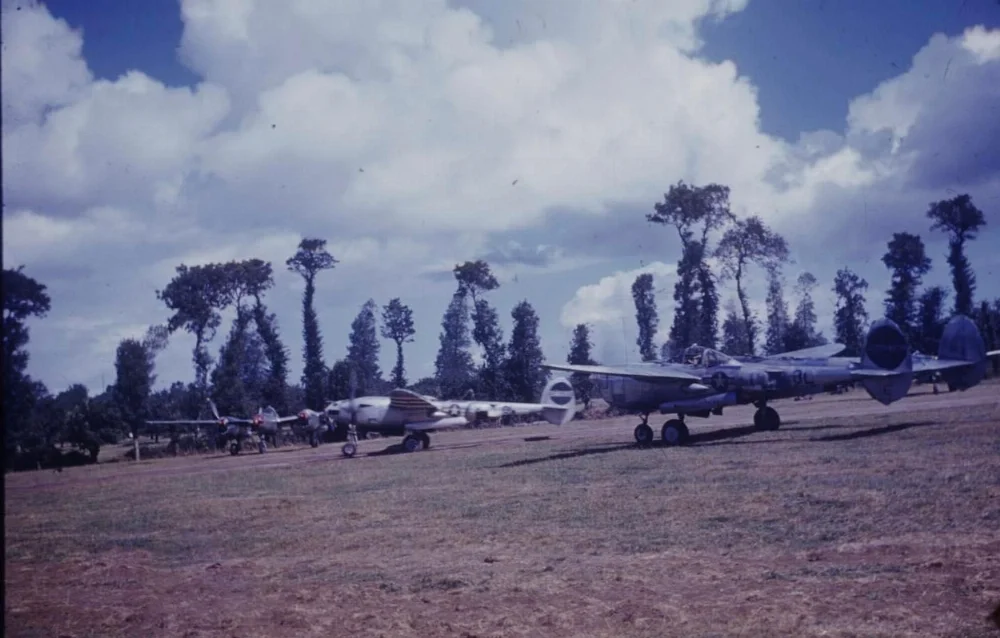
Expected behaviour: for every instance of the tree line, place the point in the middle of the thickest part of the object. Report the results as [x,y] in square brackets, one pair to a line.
[474,359]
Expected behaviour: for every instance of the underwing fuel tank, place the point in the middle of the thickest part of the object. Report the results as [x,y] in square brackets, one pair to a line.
[700,404]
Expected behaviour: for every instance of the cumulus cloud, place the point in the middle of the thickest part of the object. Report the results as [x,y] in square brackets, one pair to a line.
[414,135]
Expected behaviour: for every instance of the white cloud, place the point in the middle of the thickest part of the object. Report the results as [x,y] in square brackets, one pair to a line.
[413,135]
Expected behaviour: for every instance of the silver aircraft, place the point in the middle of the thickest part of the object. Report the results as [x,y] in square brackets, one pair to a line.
[708,380]
[413,416]
[235,430]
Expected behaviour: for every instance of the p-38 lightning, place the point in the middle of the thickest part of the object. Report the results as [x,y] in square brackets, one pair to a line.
[708,380]
[235,430]
[413,416]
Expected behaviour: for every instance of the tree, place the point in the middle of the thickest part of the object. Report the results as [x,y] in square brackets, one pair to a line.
[749,241]
[309,260]
[777,314]
[960,218]
[525,376]
[691,209]
[487,333]
[475,278]
[134,365]
[363,348]
[453,367]
[734,333]
[802,332]
[229,392]
[908,262]
[23,297]
[645,315]
[579,354]
[850,317]
[196,295]
[930,320]
[339,380]
[397,325]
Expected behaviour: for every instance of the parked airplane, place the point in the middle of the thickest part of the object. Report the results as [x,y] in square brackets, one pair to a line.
[413,416]
[708,380]
[235,430]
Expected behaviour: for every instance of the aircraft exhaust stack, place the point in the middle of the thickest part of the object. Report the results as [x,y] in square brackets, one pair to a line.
[886,363]
[559,401]
[961,340]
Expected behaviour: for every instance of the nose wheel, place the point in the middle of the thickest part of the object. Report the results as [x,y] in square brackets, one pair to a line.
[351,447]
[643,433]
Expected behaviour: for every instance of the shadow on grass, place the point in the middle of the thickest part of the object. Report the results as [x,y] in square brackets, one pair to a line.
[888,429]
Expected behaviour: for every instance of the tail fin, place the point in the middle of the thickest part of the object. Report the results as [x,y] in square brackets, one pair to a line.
[961,341]
[559,401]
[886,363]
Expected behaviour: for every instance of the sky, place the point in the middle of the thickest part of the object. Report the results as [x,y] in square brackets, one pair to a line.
[414,135]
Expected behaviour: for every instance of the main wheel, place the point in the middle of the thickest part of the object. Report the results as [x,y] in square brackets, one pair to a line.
[411,443]
[234,448]
[766,419]
[674,432]
[314,440]
[643,434]
[261,446]
[349,450]
[425,440]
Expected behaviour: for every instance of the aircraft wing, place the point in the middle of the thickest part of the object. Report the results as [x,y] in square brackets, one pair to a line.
[933,364]
[816,352]
[184,422]
[642,373]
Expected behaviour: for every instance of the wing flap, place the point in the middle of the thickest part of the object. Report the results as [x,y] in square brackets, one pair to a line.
[408,401]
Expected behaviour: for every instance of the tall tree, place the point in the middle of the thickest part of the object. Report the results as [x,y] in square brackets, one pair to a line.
[960,218]
[734,332]
[749,241]
[475,278]
[695,212]
[363,350]
[134,366]
[257,277]
[23,297]
[487,333]
[309,260]
[645,315]
[339,380]
[196,295]
[525,375]
[229,392]
[397,325]
[579,354]
[453,366]
[851,317]
[802,332]
[930,320]
[777,313]
[908,262]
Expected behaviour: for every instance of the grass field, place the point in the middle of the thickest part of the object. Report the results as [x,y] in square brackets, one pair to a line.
[852,520]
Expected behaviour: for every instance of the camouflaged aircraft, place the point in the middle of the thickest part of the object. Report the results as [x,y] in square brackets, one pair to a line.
[709,380]
[413,416]
[235,430]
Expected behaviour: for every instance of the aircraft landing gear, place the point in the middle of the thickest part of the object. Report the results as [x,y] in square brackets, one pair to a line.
[416,441]
[261,446]
[314,439]
[234,447]
[350,448]
[643,433]
[766,418]
[674,432]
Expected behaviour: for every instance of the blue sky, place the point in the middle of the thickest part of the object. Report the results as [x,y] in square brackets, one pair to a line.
[415,135]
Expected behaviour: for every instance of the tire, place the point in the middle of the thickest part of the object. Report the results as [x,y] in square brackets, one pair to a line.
[411,443]
[349,450]
[643,434]
[674,432]
[262,447]
[314,440]
[425,440]
[766,419]
[234,448]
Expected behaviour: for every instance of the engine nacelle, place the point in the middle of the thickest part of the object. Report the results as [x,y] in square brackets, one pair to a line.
[886,350]
[702,404]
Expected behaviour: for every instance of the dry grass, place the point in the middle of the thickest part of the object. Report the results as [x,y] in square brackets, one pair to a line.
[874,525]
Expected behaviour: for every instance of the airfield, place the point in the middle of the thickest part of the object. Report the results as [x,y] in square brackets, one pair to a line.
[853,519]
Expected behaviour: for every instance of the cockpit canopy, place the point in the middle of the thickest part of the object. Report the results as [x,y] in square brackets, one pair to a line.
[706,357]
